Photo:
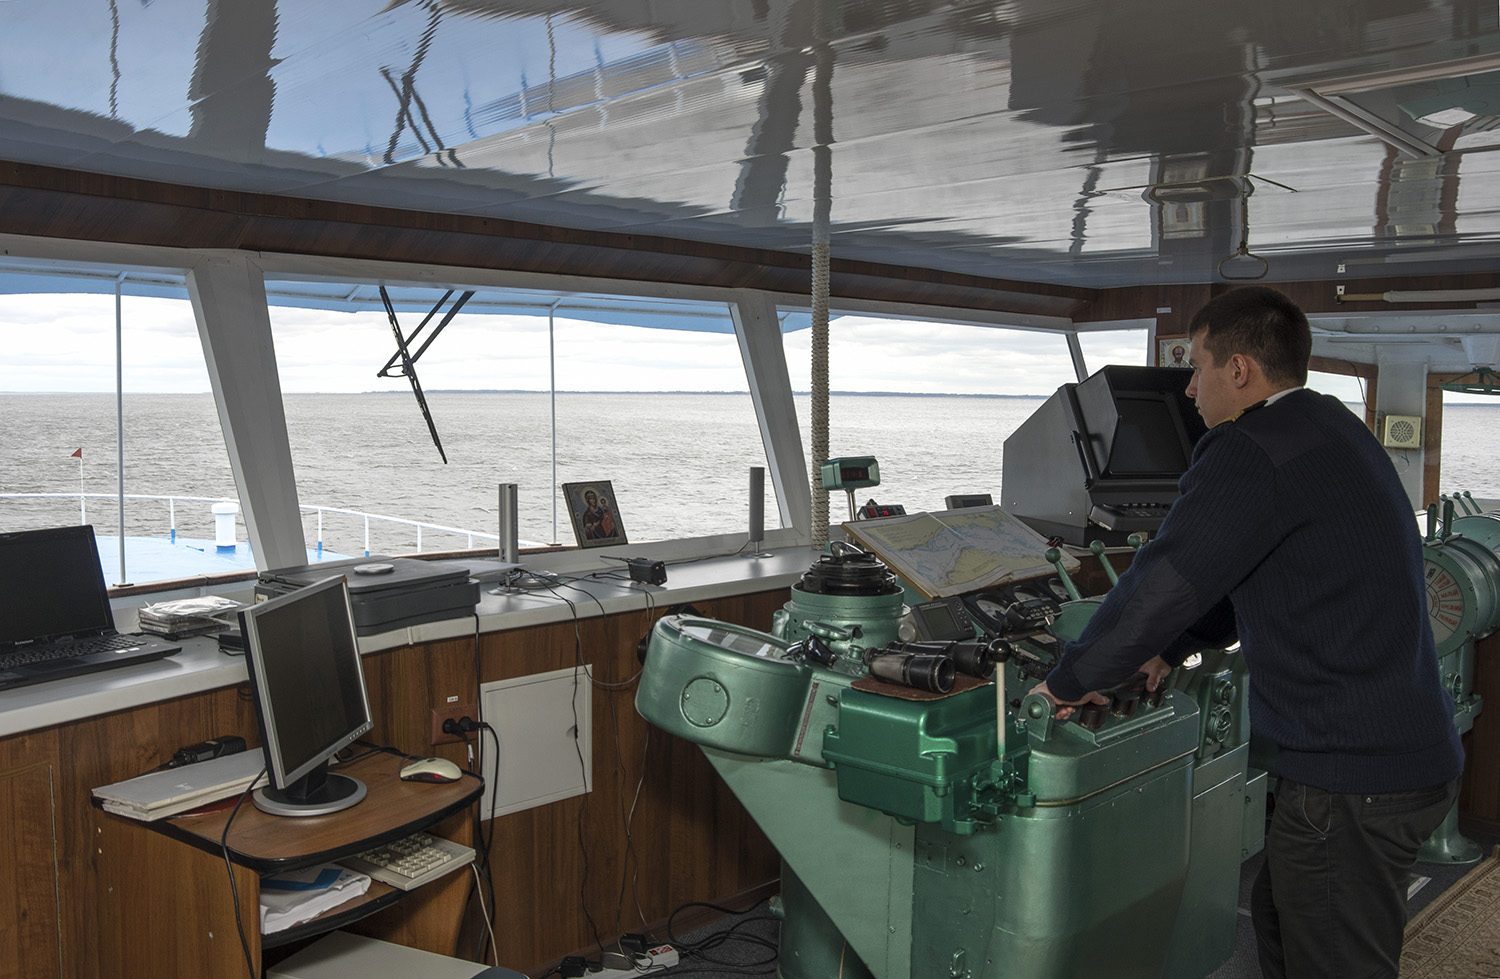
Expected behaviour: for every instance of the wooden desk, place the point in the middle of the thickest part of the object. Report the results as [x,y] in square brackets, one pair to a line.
[166,906]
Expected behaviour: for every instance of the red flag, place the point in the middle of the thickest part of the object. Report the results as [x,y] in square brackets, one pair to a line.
[78,454]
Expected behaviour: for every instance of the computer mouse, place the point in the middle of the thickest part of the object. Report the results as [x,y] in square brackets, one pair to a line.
[430,770]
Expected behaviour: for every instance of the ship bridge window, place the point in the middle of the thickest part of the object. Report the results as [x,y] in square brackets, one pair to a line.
[106,428]
[933,401]
[532,389]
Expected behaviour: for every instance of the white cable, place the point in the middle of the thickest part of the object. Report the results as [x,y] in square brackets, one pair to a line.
[479,892]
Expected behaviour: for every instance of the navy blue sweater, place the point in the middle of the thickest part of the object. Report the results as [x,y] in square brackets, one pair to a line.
[1291,520]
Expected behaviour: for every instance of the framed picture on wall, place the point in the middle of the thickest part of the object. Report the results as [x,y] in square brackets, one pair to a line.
[1174,352]
[596,519]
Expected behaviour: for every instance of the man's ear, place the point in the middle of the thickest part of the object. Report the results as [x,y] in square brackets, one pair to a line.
[1240,369]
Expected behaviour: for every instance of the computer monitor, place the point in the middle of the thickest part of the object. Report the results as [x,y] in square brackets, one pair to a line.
[1137,422]
[310,697]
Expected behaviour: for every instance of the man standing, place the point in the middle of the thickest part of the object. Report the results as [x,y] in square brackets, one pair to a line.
[1293,532]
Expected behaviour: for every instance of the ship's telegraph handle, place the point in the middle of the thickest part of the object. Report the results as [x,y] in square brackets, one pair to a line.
[1040,715]
[1096,547]
[1040,711]
[1465,502]
[1054,558]
[1432,519]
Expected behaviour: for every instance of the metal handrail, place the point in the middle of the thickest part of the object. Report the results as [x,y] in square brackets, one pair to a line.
[172,500]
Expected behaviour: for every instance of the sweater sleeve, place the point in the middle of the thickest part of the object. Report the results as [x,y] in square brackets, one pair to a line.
[1174,593]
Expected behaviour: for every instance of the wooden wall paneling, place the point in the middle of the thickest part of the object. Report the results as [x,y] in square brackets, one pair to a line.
[30,905]
[407,683]
[568,874]
[100,750]
[1432,447]
[56,203]
[691,839]
[1480,797]
[184,897]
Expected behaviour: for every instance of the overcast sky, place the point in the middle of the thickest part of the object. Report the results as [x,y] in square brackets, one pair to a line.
[66,343]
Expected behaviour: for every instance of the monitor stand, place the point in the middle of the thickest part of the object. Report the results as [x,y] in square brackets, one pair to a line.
[338,792]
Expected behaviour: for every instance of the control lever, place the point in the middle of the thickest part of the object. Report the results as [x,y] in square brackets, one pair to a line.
[1096,547]
[1054,558]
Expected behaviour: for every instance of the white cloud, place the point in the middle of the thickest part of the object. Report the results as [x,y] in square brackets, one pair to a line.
[67,343]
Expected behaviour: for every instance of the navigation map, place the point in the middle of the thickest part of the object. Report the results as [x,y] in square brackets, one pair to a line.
[957,550]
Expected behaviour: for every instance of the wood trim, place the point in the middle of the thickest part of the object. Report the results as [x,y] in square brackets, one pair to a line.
[1432,446]
[1480,796]
[58,203]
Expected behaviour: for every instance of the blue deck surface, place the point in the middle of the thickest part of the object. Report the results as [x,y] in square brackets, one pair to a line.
[163,559]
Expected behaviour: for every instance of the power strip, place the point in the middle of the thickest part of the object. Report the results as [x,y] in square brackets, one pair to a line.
[660,956]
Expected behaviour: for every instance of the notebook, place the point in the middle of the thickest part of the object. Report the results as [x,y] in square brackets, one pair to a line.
[55,619]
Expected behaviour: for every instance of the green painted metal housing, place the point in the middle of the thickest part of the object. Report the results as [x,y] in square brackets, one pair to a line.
[914,840]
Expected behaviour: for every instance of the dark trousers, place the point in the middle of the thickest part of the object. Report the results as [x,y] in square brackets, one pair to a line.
[1331,897]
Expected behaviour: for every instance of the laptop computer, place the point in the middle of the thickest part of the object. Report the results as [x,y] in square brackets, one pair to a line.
[55,619]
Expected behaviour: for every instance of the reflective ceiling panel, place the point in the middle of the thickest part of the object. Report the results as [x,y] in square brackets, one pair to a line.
[1094,142]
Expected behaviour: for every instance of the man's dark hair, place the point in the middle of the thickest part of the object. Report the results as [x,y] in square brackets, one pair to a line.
[1260,323]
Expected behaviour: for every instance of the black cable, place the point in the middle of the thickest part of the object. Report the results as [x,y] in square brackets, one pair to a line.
[234,888]
[718,938]
[481,840]
[489,839]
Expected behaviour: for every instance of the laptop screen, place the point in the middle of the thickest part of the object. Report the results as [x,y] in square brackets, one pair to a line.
[51,584]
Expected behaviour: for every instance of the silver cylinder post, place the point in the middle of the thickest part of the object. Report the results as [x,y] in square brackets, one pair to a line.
[757,529]
[509,525]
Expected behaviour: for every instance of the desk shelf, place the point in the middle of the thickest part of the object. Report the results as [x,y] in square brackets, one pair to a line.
[379,897]
[166,906]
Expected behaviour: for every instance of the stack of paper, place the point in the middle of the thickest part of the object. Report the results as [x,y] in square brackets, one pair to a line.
[296,895]
[174,790]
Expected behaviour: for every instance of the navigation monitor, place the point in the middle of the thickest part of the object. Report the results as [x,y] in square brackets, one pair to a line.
[1100,459]
[1149,439]
[1138,422]
[310,697]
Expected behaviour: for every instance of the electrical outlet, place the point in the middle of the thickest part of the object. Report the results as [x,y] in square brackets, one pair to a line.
[446,712]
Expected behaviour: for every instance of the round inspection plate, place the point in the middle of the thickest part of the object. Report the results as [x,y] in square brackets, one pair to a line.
[704,701]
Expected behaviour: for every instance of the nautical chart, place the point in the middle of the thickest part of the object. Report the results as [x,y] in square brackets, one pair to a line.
[956,551]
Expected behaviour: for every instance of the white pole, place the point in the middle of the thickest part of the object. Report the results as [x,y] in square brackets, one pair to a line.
[82,516]
[552,367]
[120,413]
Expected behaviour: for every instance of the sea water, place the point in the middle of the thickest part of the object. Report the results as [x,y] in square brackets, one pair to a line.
[677,463]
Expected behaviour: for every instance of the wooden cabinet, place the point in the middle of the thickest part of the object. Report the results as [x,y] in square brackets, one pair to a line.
[165,902]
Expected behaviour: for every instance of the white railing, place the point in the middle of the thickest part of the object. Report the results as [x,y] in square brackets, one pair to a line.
[172,501]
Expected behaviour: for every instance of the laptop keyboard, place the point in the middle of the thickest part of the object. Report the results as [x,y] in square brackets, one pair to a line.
[67,650]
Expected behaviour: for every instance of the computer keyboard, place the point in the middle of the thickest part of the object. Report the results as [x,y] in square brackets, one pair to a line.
[41,653]
[411,862]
